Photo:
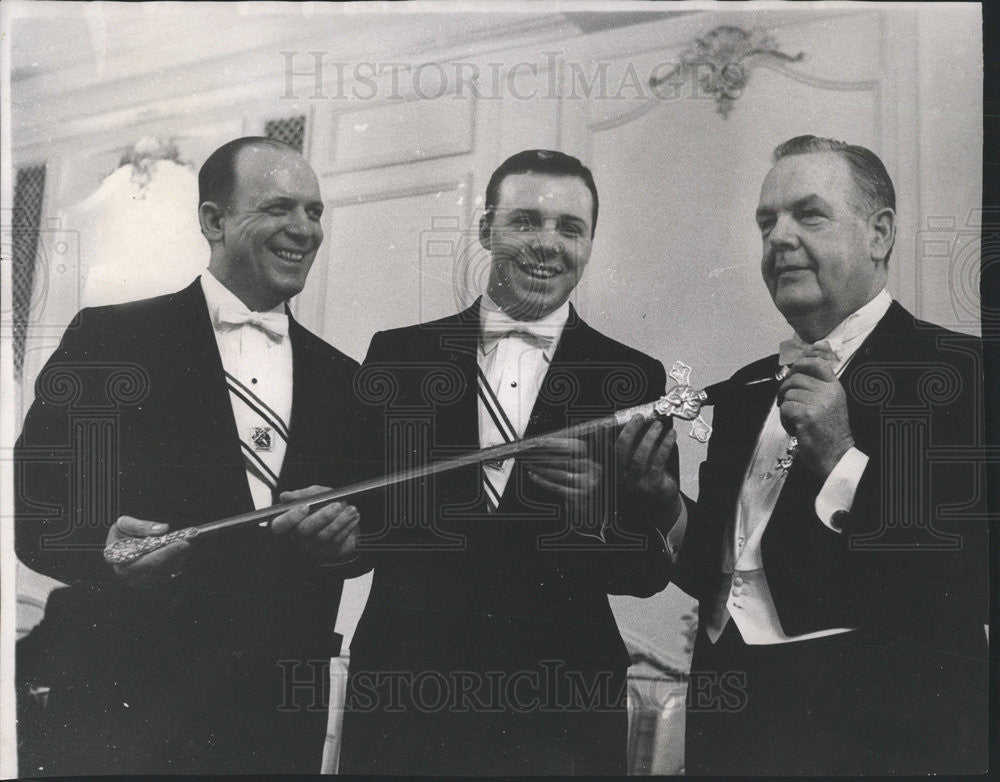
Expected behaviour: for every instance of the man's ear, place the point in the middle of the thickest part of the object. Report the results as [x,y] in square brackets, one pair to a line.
[484,231]
[210,217]
[883,224]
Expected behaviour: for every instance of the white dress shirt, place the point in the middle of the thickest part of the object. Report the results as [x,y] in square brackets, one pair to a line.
[746,597]
[263,364]
[514,366]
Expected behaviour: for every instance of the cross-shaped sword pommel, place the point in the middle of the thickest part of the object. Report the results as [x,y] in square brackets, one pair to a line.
[683,401]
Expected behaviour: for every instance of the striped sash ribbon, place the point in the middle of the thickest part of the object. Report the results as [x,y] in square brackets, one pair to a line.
[261,452]
[494,480]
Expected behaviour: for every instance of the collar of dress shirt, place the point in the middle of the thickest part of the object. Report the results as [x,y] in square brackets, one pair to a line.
[848,335]
[217,295]
[492,318]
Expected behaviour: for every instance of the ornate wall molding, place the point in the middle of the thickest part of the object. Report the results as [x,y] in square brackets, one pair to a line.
[719,64]
[722,60]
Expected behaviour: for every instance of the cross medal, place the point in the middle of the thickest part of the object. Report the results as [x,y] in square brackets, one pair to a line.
[784,462]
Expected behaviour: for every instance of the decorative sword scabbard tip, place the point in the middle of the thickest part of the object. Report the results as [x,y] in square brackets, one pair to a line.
[130,549]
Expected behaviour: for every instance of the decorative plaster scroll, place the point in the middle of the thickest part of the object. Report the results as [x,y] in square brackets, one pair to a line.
[718,65]
[722,61]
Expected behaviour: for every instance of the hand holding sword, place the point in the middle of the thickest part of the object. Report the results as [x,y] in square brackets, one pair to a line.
[329,534]
[161,562]
[644,446]
[813,407]
[297,510]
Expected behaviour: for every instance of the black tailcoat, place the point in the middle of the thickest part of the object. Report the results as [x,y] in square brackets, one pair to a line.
[906,692]
[132,417]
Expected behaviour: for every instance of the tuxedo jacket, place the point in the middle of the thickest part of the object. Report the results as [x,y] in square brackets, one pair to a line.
[912,557]
[457,586]
[132,417]
[474,599]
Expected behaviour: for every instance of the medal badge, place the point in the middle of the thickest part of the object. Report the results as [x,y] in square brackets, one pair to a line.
[261,439]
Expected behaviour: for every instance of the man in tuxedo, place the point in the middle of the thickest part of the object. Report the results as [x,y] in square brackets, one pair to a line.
[487,645]
[208,655]
[838,546]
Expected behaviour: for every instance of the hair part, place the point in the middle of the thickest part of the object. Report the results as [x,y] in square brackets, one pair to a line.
[872,182]
[541,161]
[217,176]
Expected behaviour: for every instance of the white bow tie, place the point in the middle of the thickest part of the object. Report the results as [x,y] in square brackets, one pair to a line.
[497,325]
[791,350]
[274,324]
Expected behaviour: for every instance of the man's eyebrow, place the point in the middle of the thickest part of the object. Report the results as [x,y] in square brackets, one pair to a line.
[520,210]
[574,223]
[808,200]
[287,199]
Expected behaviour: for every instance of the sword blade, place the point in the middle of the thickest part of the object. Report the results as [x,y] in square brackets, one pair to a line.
[129,550]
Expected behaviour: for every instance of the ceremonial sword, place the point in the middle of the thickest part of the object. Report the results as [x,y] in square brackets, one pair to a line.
[681,401]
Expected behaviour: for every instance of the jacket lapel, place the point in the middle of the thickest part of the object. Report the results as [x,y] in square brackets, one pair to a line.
[885,345]
[757,398]
[201,386]
[448,389]
[742,405]
[459,346]
[306,367]
[549,412]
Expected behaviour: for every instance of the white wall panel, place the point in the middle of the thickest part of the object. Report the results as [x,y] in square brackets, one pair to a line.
[403,132]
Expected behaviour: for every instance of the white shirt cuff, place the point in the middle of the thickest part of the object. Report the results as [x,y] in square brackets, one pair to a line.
[675,537]
[841,484]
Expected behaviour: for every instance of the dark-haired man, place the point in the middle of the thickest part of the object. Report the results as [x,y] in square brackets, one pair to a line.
[203,656]
[838,547]
[488,645]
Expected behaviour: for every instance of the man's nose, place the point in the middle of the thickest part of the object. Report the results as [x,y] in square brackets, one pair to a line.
[783,233]
[301,226]
[550,241]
